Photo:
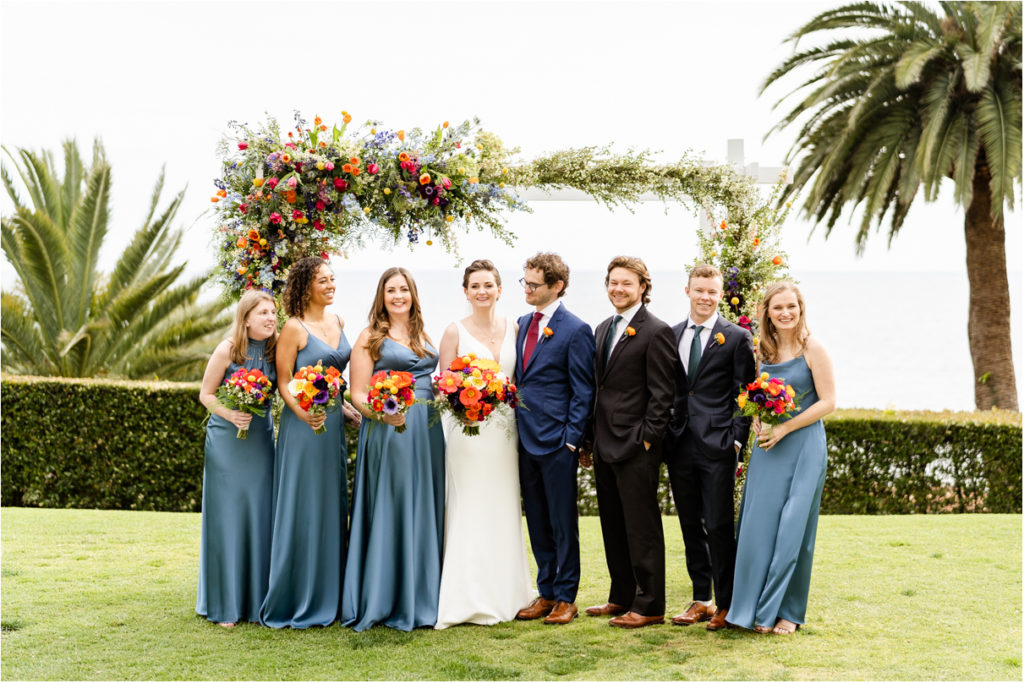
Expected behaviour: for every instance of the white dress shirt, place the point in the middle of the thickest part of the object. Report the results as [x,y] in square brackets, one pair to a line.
[687,338]
[627,318]
[545,318]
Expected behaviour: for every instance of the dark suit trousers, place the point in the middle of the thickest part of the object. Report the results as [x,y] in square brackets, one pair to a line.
[634,542]
[702,488]
[549,489]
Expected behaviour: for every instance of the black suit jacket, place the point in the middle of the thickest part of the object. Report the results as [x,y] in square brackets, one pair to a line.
[705,399]
[635,388]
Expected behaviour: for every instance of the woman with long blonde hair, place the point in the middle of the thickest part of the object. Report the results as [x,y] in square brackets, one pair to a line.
[393,573]
[778,517]
[234,552]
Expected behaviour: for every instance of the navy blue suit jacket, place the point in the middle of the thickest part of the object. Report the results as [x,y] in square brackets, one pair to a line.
[557,385]
[705,400]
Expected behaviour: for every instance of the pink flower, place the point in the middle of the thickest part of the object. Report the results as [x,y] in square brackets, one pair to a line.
[272,183]
[292,182]
[458,145]
[243,207]
[340,184]
[325,256]
[318,224]
[275,218]
[296,215]
[372,169]
[243,145]
[436,200]
[329,166]
[290,145]
[445,183]
[406,165]
[320,206]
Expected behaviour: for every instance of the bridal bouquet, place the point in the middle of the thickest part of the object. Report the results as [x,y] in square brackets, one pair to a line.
[769,399]
[247,390]
[471,388]
[391,392]
[318,390]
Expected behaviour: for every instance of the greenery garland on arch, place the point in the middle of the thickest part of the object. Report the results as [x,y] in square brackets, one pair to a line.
[320,190]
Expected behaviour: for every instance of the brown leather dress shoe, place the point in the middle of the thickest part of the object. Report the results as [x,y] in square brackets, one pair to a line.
[540,607]
[563,613]
[635,620]
[694,613]
[718,621]
[608,609]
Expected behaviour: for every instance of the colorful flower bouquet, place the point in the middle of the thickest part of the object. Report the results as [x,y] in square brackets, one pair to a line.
[318,190]
[769,399]
[471,388]
[318,390]
[247,390]
[392,392]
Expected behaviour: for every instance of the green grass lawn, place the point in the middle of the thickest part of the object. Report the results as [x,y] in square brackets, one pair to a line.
[110,595]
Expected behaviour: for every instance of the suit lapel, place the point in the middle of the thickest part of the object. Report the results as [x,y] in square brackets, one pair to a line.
[635,323]
[712,344]
[554,323]
[524,325]
[600,337]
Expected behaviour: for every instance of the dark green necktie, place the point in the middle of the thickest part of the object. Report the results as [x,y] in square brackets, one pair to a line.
[695,348]
[609,341]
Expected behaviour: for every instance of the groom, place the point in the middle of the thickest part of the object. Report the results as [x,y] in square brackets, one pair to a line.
[555,377]
[715,357]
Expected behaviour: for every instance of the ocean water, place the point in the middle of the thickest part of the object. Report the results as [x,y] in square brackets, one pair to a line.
[897,339]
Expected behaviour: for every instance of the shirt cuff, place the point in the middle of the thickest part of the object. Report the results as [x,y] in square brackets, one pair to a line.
[571,447]
[738,445]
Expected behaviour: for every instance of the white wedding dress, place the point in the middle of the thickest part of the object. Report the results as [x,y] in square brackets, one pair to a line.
[485,577]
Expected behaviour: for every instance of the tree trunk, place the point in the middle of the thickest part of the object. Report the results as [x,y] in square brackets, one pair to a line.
[988,322]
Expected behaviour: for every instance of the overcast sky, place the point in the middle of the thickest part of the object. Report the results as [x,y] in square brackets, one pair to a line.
[158,81]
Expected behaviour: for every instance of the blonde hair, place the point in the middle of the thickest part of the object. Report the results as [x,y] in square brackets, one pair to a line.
[704,270]
[239,337]
[380,322]
[768,348]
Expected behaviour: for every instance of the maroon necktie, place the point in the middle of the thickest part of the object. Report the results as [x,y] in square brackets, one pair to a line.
[531,338]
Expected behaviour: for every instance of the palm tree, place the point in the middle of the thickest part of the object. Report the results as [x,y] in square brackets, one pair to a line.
[900,99]
[65,318]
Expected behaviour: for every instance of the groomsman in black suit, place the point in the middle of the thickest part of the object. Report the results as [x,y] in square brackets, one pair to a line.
[714,359]
[635,375]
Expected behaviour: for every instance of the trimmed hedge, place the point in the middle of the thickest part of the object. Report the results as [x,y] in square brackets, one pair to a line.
[139,446]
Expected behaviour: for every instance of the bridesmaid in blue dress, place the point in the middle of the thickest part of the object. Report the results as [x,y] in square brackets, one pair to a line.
[393,575]
[778,517]
[234,553]
[310,500]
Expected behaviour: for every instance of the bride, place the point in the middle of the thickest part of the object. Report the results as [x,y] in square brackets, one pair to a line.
[485,577]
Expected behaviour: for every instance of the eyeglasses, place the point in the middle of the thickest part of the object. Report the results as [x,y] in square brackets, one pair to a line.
[530,286]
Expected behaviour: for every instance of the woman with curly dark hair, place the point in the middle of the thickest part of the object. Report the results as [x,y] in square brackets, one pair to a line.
[310,501]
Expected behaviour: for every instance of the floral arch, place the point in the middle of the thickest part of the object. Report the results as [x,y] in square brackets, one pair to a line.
[319,190]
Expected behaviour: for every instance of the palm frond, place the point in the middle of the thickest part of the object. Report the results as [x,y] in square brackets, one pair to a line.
[998,118]
[43,266]
[21,338]
[87,229]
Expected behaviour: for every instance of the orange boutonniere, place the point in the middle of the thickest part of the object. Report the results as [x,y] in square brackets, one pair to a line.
[630,331]
[548,331]
[720,338]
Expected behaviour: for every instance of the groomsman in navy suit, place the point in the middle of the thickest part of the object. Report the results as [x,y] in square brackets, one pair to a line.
[715,358]
[635,371]
[555,378]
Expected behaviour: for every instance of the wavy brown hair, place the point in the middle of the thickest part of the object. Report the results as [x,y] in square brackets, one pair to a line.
[553,267]
[380,321]
[768,347]
[297,287]
[239,338]
[638,267]
[477,266]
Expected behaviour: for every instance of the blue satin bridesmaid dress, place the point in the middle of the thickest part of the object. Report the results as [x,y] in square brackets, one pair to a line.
[393,574]
[310,509]
[234,553]
[778,518]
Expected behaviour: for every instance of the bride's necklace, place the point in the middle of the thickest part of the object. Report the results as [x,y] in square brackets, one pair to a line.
[491,334]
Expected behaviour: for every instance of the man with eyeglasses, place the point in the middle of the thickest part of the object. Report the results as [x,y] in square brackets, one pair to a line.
[555,378]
